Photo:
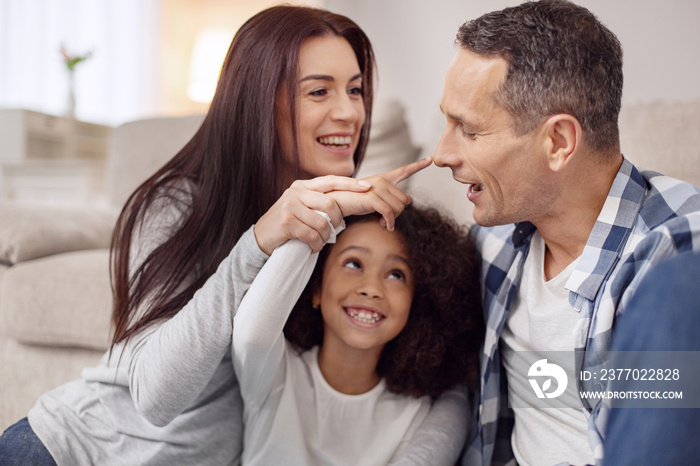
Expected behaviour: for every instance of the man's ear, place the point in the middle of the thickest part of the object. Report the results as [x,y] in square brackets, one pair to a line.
[562,137]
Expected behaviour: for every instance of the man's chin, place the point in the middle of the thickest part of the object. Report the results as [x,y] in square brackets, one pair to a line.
[488,219]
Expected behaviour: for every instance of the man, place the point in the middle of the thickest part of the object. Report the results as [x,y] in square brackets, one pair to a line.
[566,225]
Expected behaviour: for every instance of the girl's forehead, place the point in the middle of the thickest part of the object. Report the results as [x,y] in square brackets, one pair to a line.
[370,237]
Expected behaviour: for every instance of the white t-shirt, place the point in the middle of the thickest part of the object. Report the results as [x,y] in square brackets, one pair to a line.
[541,320]
[292,416]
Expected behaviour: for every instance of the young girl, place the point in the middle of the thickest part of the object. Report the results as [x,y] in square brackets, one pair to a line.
[388,320]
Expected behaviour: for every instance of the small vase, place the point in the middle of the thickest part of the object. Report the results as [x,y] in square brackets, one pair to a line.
[70,111]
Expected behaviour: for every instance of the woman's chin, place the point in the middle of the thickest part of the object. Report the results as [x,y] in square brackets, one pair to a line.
[339,170]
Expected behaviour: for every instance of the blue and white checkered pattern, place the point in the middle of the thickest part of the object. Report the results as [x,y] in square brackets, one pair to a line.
[647,217]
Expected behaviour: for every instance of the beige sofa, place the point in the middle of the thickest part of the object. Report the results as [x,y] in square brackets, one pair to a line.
[55,298]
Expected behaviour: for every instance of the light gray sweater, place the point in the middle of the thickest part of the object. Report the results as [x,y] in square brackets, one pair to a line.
[169,396]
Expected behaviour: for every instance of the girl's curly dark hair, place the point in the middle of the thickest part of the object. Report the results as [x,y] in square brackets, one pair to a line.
[439,346]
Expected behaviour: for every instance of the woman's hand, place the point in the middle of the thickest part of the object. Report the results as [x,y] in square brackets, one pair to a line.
[293,216]
[384,197]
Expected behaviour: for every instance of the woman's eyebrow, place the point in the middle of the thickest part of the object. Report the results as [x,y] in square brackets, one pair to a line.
[325,77]
[321,77]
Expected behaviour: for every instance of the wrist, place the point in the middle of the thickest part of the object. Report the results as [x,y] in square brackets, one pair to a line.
[265,248]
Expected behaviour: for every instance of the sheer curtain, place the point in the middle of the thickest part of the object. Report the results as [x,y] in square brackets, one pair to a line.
[119,82]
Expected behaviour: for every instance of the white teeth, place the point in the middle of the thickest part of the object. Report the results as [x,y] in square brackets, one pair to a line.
[369,317]
[475,188]
[335,140]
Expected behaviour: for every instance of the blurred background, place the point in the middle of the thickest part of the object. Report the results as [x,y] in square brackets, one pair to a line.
[158,57]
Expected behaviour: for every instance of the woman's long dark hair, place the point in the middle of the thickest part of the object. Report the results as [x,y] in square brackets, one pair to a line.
[234,162]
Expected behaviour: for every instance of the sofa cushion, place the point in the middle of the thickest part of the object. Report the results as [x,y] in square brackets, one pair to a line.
[137,149]
[30,230]
[663,136]
[63,300]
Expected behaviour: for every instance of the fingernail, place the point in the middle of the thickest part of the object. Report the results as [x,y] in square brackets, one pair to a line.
[365,183]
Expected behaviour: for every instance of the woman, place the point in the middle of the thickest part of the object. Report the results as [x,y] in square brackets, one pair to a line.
[184,250]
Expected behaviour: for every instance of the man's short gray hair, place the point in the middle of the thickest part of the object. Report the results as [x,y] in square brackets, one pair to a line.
[562,59]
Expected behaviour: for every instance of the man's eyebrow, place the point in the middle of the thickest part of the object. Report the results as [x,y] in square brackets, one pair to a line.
[451,116]
[325,77]
[457,118]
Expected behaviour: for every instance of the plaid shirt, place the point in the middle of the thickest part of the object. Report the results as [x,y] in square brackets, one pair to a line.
[646,217]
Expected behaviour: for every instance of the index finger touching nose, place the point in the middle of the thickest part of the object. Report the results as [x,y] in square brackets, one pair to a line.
[399,174]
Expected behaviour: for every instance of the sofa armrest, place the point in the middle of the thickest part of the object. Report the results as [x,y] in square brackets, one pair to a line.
[31,230]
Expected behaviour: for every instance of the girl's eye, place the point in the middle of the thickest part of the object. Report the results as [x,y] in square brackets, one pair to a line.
[353,264]
[397,275]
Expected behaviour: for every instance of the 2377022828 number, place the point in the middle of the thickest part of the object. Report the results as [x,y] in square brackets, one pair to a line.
[639,374]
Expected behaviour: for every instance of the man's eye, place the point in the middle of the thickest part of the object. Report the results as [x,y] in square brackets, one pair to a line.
[468,135]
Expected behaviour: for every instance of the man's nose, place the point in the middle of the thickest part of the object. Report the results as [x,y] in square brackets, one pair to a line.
[446,154]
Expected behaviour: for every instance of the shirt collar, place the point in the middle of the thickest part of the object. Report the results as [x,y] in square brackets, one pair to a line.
[610,232]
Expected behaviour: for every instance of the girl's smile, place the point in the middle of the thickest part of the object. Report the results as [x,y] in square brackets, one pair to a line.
[364,317]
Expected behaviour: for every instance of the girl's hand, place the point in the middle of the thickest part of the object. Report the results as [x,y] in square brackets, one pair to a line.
[384,197]
[293,216]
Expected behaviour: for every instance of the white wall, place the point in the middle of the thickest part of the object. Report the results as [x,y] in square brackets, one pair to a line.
[119,82]
[413,40]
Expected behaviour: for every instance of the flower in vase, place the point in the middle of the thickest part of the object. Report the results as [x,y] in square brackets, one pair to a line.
[72,60]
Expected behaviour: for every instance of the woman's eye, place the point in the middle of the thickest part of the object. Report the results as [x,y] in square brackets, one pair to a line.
[353,264]
[356,91]
[319,92]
